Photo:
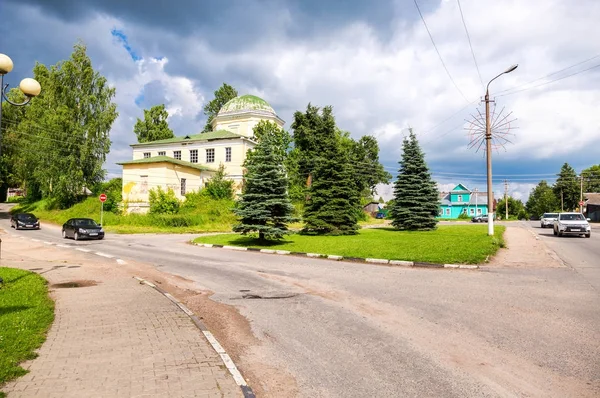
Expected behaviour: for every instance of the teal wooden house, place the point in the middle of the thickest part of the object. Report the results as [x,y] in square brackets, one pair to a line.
[462,200]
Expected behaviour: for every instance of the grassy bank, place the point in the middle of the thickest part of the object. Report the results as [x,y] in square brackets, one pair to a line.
[26,313]
[208,216]
[467,244]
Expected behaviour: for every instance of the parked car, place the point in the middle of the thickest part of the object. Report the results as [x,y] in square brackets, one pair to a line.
[82,228]
[380,215]
[480,219]
[573,224]
[547,220]
[24,221]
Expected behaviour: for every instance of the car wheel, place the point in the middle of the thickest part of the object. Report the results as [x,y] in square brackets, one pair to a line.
[588,235]
[100,238]
[76,236]
[560,233]
[554,231]
[64,234]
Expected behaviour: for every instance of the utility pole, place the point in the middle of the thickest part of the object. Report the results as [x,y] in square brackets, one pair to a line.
[562,201]
[488,152]
[506,198]
[581,195]
[476,190]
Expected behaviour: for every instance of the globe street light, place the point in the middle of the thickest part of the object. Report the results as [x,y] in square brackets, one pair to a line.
[488,139]
[30,87]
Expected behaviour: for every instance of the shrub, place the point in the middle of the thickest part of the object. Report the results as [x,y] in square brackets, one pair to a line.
[219,187]
[162,202]
[463,216]
[114,194]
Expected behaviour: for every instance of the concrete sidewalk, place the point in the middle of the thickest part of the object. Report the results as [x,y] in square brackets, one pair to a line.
[112,336]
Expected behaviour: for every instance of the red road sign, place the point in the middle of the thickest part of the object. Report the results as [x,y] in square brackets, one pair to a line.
[581,203]
[102,198]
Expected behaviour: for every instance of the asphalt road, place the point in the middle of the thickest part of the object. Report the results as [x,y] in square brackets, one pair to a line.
[358,330]
[582,254]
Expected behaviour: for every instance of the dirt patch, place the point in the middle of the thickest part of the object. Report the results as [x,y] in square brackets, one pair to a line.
[524,250]
[74,284]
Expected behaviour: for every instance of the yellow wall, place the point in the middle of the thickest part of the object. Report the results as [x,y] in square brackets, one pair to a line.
[233,168]
[242,124]
[166,175]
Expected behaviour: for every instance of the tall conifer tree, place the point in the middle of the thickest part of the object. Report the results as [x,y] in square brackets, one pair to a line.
[416,197]
[264,206]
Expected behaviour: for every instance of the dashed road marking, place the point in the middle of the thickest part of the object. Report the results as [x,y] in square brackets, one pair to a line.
[83,250]
[48,243]
[122,262]
[104,255]
[63,246]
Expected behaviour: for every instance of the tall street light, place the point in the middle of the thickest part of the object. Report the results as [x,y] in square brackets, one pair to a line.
[488,139]
[30,87]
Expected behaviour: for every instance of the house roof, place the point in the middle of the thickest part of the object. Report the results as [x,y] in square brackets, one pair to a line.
[476,198]
[210,136]
[460,188]
[592,198]
[166,159]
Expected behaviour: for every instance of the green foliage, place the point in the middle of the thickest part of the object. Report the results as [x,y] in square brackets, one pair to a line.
[416,198]
[219,187]
[522,214]
[223,95]
[541,200]
[113,190]
[463,216]
[515,207]
[591,179]
[62,138]
[264,206]
[15,199]
[367,171]
[26,313]
[333,199]
[448,244]
[566,188]
[162,202]
[154,126]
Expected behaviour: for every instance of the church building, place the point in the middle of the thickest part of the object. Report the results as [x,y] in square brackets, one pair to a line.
[186,163]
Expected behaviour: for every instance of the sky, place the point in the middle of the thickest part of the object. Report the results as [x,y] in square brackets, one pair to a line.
[374,62]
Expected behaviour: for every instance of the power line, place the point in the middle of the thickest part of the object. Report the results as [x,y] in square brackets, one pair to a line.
[438,52]
[550,74]
[469,39]
[551,81]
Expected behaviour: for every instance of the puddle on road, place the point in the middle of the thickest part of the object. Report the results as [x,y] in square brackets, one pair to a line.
[74,284]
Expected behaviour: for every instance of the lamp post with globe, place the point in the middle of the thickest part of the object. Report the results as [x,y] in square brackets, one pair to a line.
[30,87]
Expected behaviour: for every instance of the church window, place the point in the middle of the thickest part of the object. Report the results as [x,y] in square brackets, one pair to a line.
[194,156]
[177,155]
[210,155]
[162,153]
[228,154]
[146,155]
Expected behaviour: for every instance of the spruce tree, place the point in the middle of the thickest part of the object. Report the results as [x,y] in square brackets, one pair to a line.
[333,199]
[416,197]
[264,206]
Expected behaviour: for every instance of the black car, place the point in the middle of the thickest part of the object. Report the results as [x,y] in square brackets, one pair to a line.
[82,228]
[24,221]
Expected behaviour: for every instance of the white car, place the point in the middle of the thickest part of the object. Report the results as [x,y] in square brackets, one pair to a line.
[547,220]
[572,224]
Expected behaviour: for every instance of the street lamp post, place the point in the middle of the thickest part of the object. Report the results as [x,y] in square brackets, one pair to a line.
[488,139]
[30,87]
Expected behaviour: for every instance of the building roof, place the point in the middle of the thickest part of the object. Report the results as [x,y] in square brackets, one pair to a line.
[246,103]
[476,198]
[592,198]
[210,136]
[166,159]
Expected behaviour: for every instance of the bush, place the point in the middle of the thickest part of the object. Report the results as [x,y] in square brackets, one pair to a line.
[114,194]
[162,202]
[15,199]
[218,187]
[464,216]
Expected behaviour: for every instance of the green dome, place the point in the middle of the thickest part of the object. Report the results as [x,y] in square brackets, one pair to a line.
[246,103]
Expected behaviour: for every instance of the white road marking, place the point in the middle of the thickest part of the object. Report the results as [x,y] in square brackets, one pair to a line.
[119,261]
[104,255]
[64,246]
[48,243]
[83,250]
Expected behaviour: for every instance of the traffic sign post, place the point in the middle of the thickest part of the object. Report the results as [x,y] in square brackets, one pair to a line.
[581,206]
[102,200]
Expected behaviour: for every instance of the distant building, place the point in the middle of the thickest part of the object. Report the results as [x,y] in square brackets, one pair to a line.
[186,163]
[591,206]
[462,200]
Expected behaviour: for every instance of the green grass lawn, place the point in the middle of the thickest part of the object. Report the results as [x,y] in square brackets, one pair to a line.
[26,313]
[468,244]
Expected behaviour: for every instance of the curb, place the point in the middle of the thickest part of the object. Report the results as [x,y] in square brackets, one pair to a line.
[378,261]
[233,370]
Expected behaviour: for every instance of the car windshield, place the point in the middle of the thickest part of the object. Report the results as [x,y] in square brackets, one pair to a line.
[26,217]
[550,215]
[572,217]
[86,222]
